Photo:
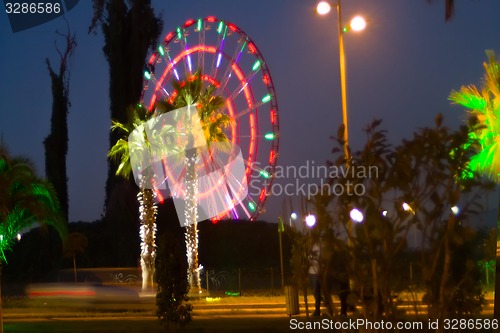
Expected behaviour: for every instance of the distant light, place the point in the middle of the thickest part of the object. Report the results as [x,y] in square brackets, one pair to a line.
[219,58]
[266,98]
[358,23]
[356,215]
[18,237]
[293,216]
[219,28]
[256,65]
[265,174]
[323,7]
[270,136]
[384,213]
[310,220]
[455,210]
[407,208]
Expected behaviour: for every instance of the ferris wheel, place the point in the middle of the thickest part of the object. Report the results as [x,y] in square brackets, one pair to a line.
[229,60]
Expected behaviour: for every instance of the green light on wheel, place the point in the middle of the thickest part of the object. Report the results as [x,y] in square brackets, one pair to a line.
[256,65]
[219,28]
[161,50]
[199,25]
[269,136]
[251,206]
[266,98]
[265,174]
[147,75]
[179,33]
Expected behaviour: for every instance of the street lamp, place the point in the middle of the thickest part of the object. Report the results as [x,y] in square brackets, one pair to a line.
[358,23]
[293,217]
[356,215]
[310,220]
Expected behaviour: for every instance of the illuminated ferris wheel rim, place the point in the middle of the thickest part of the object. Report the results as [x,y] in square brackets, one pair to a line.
[245,82]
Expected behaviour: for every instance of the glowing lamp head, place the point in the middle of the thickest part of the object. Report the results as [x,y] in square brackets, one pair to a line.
[358,23]
[356,215]
[408,208]
[455,210]
[323,7]
[310,220]
[293,216]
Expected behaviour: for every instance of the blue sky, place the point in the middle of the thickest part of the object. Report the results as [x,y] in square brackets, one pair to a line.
[400,69]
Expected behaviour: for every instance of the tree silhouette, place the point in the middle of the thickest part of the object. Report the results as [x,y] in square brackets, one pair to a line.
[130,28]
[56,143]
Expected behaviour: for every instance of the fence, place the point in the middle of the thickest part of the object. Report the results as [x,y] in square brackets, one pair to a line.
[242,281]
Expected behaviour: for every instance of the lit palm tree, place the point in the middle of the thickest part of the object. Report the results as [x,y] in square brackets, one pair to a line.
[484,105]
[194,91]
[25,199]
[121,152]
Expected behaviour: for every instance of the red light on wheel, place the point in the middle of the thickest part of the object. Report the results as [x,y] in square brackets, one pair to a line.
[273,117]
[211,19]
[272,156]
[169,37]
[188,23]
[265,79]
[232,27]
[251,48]
[152,59]
[262,194]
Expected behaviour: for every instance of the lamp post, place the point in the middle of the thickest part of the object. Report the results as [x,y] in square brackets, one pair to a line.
[281,229]
[357,24]
[293,217]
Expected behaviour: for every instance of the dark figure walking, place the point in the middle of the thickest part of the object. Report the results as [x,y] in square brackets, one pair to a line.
[315,277]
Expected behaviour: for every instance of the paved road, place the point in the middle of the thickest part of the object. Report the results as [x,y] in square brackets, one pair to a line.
[267,316]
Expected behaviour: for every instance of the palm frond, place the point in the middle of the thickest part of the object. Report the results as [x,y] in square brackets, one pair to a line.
[484,104]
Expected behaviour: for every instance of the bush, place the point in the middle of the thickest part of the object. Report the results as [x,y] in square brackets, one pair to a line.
[171,276]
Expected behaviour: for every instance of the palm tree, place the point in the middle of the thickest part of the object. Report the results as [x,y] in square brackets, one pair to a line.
[25,199]
[192,91]
[121,153]
[484,105]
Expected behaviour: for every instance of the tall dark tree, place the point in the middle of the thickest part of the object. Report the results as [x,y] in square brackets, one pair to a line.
[130,29]
[449,7]
[56,143]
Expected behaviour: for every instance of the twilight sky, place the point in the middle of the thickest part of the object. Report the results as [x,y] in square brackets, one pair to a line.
[400,69]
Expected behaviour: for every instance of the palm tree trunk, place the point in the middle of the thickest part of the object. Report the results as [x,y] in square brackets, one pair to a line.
[191,215]
[147,210]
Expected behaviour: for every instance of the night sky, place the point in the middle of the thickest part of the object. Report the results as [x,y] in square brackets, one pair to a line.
[401,69]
